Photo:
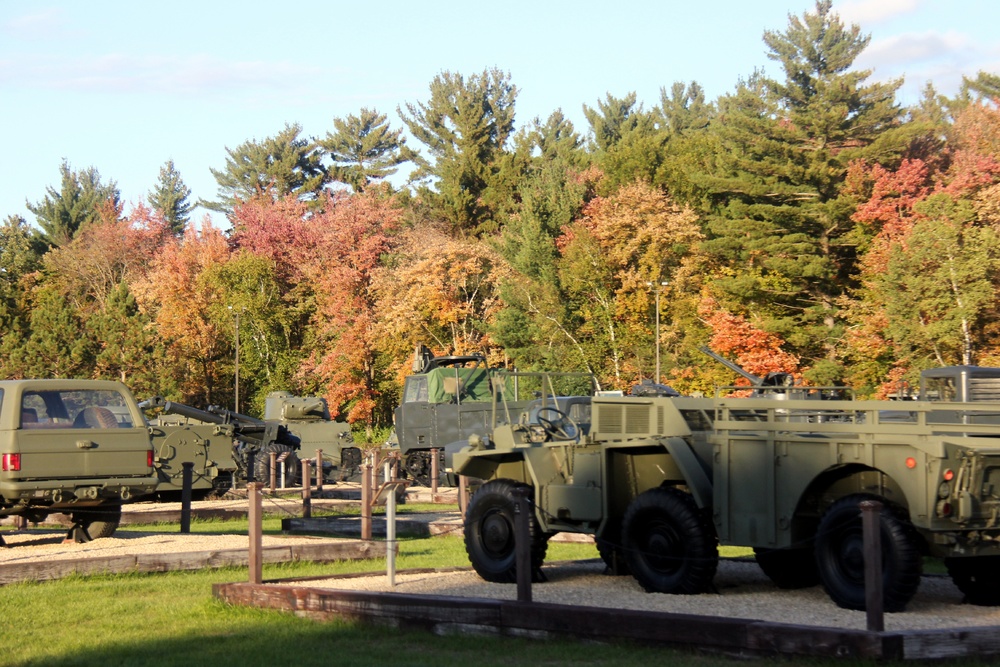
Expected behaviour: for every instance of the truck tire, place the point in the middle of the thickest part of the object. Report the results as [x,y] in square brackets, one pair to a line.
[100,521]
[789,568]
[489,533]
[978,577]
[262,465]
[670,547]
[840,555]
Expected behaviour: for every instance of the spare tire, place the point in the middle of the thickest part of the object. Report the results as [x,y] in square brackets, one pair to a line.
[262,465]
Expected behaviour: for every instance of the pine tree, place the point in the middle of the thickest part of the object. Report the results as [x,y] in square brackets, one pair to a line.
[465,127]
[778,217]
[278,166]
[55,345]
[78,202]
[170,198]
[364,149]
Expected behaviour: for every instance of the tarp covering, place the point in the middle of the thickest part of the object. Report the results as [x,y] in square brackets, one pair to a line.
[458,385]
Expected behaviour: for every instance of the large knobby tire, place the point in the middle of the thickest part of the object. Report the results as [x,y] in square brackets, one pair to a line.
[489,533]
[789,568]
[840,555]
[669,545]
[978,577]
[262,465]
[100,521]
[609,548]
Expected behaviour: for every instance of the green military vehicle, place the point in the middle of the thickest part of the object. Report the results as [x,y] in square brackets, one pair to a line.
[226,446]
[76,447]
[447,399]
[661,481]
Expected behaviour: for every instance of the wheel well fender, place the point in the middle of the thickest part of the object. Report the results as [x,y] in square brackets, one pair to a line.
[840,481]
[695,475]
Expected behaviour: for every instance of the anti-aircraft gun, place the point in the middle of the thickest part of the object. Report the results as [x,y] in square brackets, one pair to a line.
[771,385]
[291,424]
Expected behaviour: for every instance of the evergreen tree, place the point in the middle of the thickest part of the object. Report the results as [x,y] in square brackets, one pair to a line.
[20,255]
[78,202]
[627,144]
[364,149]
[128,349]
[170,198]
[278,166]
[54,345]
[778,217]
[465,127]
[985,85]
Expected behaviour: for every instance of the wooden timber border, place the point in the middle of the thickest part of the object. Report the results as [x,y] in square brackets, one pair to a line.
[188,560]
[732,636]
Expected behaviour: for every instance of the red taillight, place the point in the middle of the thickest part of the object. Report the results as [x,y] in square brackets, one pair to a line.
[11,462]
[948,475]
[149,459]
[911,462]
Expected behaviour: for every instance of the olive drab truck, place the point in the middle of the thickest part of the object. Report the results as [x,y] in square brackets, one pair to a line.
[447,399]
[661,481]
[74,447]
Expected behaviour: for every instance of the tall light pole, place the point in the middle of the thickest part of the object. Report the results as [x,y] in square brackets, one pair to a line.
[657,290]
[237,381]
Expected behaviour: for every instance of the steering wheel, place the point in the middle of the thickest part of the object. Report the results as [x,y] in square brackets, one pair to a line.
[559,425]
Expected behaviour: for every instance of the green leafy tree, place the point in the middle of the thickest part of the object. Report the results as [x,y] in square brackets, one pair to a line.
[80,200]
[465,127]
[780,221]
[278,166]
[170,198]
[627,144]
[364,149]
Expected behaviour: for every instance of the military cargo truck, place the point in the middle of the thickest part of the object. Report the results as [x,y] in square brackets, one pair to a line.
[77,447]
[661,481]
[447,399]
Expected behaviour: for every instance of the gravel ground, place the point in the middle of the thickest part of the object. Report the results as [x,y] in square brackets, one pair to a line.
[743,592]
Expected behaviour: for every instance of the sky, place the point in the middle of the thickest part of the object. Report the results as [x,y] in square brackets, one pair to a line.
[125,86]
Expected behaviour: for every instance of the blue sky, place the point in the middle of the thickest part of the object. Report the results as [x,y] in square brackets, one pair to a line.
[125,86]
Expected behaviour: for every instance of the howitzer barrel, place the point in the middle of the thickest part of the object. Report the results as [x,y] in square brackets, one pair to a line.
[755,380]
[231,417]
[172,408]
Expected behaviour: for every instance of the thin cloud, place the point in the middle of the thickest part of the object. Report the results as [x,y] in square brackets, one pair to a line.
[118,73]
[868,12]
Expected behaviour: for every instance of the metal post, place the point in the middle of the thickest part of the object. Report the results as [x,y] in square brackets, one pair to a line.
[306,488]
[871,525]
[237,361]
[434,474]
[283,475]
[390,536]
[522,544]
[319,471]
[463,489]
[274,471]
[366,500]
[187,479]
[256,555]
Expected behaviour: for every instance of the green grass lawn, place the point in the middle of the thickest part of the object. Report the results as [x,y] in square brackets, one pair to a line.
[172,619]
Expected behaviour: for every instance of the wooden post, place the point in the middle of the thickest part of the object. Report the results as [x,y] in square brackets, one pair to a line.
[274,471]
[522,543]
[319,471]
[187,479]
[434,474]
[366,499]
[306,488]
[871,524]
[256,555]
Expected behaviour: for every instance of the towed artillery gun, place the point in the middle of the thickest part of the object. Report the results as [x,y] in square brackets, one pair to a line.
[227,446]
[662,481]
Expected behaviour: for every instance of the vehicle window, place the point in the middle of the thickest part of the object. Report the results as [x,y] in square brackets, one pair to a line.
[416,390]
[86,408]
[940,389]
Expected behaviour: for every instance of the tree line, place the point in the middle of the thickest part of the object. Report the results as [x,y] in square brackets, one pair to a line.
[807,224]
